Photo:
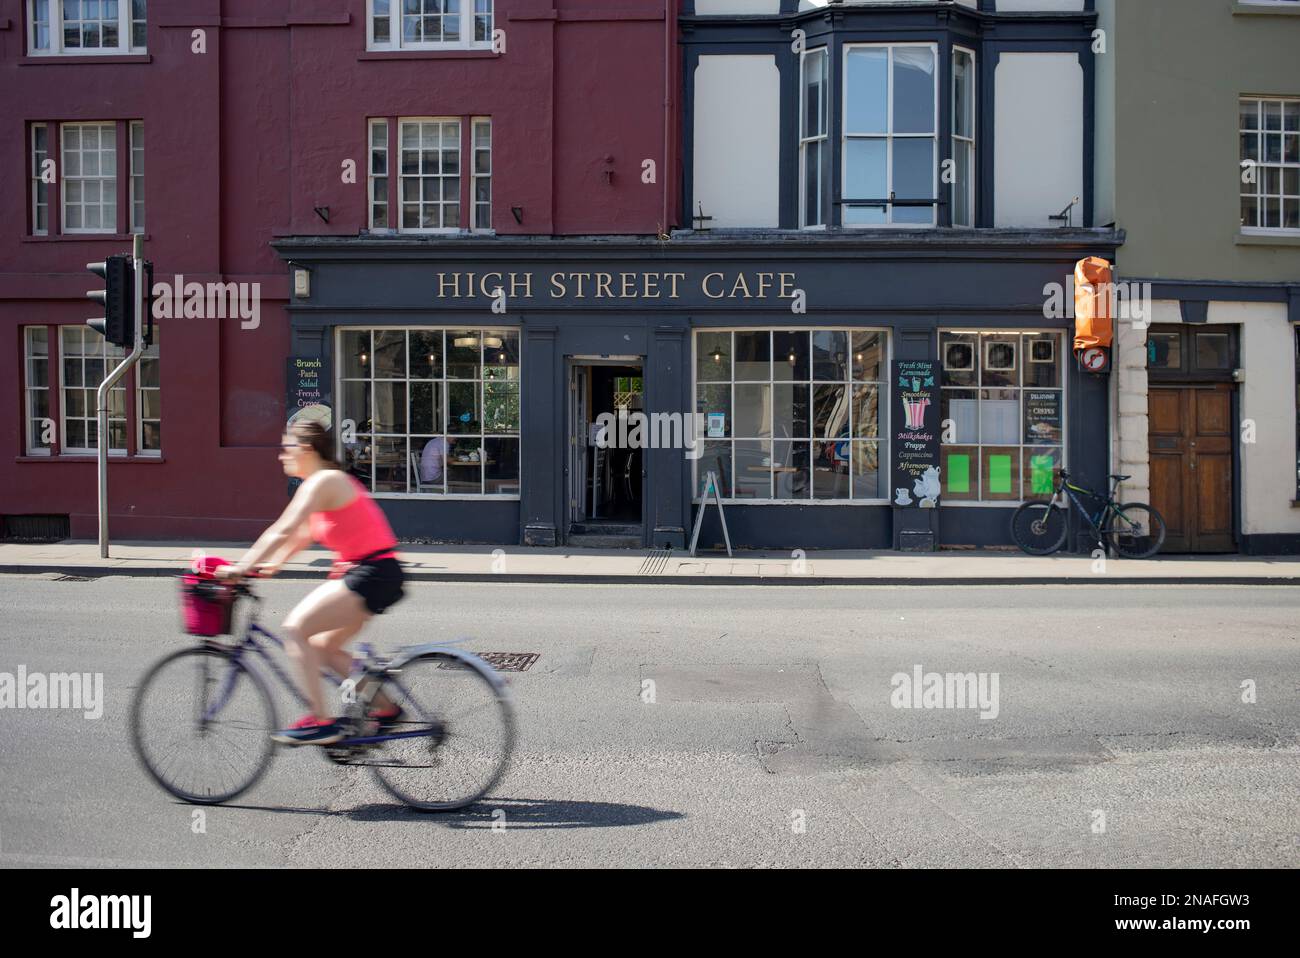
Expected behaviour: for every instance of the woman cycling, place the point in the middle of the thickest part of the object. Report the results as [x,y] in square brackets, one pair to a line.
[336,510]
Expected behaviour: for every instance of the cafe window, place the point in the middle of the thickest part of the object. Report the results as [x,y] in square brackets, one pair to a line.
[1002,415]
[430,412]
[793,415]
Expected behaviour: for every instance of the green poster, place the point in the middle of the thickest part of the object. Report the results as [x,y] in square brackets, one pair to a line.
[1000,474]
[958,473]
[1040,474]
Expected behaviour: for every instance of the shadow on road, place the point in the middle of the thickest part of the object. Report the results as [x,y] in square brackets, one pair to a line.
[527,813]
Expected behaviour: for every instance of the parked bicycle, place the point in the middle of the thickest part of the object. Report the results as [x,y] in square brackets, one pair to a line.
[201,718]
[1133,529]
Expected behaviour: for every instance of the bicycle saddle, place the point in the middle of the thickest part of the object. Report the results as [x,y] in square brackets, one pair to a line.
[1120,478]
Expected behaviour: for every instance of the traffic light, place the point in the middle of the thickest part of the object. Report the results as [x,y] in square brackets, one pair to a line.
[148,302]
[118,299]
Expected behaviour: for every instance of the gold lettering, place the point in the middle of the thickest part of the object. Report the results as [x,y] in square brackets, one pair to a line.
[602,285]
[627,285]
[787,285]
[764,283]
[705,286]
[483,287]
[455,285]
[741,284]
[557,286]
[675,277]
[651,283]
[579,279]
[527,285]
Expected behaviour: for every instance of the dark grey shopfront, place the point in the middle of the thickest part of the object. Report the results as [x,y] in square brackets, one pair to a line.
[604,310]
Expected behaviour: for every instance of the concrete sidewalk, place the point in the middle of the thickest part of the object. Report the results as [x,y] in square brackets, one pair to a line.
[520,564]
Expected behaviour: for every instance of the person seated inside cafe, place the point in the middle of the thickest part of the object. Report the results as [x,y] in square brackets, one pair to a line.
[432,459]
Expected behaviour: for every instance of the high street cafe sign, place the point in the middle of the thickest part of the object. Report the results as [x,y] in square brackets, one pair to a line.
[619,286]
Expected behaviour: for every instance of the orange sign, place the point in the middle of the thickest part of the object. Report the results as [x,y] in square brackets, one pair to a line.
[1093,322]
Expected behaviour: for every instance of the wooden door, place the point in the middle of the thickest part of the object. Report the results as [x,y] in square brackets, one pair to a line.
[1191,436]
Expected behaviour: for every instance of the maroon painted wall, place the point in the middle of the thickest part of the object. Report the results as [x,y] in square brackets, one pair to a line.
[241,143]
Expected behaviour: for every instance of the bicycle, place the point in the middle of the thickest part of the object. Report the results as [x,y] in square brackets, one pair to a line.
[221,705]
[1134,529]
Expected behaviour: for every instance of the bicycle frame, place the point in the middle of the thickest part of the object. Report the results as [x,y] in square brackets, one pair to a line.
[1094,522]
[250,645]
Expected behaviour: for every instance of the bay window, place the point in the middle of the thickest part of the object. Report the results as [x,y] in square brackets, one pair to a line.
[424,194]
[425,411]
[85,27]
[963,137]
[1003,414]
[794,415]
[890,135]
[814,136]
[429,24]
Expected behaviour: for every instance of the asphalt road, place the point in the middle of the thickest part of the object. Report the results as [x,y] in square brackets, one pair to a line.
[1121,737]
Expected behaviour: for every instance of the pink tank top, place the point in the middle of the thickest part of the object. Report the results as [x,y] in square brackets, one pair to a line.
[357,531]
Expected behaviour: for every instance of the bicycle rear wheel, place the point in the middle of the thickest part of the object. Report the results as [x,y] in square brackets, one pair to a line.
[460,732]
[200,725]
[1039,528]
[1136,531]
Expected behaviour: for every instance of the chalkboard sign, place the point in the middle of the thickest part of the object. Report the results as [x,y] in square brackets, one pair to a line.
[1043,417]
[915,425]
[308,396]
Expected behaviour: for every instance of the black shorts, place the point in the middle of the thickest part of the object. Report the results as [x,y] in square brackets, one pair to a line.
[377,581]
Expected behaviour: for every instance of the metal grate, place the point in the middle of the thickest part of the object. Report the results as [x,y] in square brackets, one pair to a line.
[73,578]
[655,562]
[502,661]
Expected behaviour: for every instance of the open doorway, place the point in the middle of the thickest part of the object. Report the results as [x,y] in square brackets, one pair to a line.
[605,485]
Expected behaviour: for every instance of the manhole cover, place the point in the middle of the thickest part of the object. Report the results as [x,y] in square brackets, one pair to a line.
[503,661]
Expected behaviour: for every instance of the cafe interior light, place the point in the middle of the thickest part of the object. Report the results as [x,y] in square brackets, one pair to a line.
[465,342]
[492,342]
[717,355]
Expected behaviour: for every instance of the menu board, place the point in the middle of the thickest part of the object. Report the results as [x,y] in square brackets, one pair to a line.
[307,397]
[915,447]
[1043,417]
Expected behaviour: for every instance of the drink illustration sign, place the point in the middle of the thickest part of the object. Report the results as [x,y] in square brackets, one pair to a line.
[915,446]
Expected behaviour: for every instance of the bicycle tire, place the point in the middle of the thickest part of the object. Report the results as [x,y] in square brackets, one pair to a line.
[1142,546]
[1054,526]
[447,733]
[152,762]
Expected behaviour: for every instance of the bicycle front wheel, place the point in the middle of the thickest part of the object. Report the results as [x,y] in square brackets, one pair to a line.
[457,728]
[1039,528]
[200,725]
[1136,531]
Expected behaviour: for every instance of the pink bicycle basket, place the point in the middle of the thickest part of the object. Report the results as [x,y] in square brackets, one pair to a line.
[207,606]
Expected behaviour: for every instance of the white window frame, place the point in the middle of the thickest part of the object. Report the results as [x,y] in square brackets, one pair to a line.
[124,47]
[824,138]
[37,185]
[1061,357]
[135,195]
[387,175]
[29,413]
[108,354]
[885,397]
[151,354]
[972,140]
[475,176]
[889,136]
[396,42]
[480,381]
[65,178]
[1262,166]
[399,177]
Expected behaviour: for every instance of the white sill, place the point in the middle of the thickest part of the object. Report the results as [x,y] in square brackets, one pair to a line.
[1263,237]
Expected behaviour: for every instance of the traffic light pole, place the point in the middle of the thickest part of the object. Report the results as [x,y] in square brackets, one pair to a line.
[113,378]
